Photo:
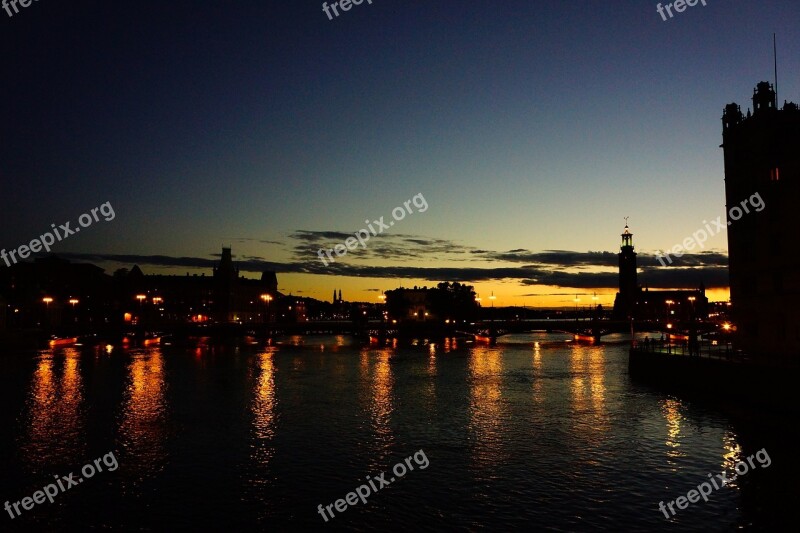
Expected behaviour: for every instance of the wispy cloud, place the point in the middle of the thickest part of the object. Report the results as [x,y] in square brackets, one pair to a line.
[402,256]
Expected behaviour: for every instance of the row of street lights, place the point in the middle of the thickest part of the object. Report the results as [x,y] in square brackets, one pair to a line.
[48,300]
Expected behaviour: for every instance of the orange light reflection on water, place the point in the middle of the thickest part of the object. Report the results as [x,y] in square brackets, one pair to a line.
[142,430]
[376,374]
[56,408]
[486,408]
[263,408]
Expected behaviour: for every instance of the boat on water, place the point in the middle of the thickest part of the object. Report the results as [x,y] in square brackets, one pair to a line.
[149,341]
[132,339]
[62,341]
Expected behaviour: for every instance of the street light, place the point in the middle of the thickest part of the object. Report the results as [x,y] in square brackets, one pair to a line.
[669,338]
[267,299]
[47,301]
[74,302]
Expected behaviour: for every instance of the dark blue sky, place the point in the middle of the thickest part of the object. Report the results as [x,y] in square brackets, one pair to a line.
[527,126]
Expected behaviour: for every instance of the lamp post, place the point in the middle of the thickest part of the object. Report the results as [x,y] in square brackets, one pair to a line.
[74,302]
[669,342]
[692,330]
[47,301]
[141,298]
[726,328]
[267,299]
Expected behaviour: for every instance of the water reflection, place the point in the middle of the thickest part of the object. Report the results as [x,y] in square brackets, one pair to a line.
[538,382]
[376,374]
[486,408]
[731,456]
[263,408]
[587,367]
[432,352]
[55,405]
[142,431]
[671,410]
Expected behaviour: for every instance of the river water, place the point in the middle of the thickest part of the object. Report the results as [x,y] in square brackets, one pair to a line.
[536,432]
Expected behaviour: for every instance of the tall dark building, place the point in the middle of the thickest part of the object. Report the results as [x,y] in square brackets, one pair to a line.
[628,287]
[762,169]
[225,276]
[667,305]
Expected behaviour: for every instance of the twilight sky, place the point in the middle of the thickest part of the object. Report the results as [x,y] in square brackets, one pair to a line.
[529,128]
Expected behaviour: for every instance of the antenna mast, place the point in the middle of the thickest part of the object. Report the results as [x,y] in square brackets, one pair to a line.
[775,55]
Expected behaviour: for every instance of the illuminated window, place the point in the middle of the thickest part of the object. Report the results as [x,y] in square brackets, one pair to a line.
[775,174]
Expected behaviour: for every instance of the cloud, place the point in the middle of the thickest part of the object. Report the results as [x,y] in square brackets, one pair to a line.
[397,247]
[406,256]
[258,241]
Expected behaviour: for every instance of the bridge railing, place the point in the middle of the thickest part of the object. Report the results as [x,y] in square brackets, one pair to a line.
[704,348]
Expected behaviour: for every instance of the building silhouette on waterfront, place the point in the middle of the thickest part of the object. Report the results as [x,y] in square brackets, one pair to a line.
[762,157]
[52,293]
[632,301]
[223,297]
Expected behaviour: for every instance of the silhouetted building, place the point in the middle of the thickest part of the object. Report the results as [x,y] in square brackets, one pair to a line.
[292,310]
[633,302]
[51,293]
[626,300]
[225,296]
[762,163]
[225,277]
[445,302]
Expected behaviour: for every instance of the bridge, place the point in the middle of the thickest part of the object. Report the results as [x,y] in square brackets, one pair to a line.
[587,329]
